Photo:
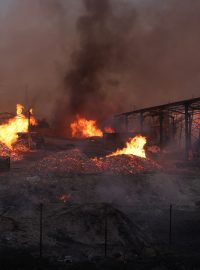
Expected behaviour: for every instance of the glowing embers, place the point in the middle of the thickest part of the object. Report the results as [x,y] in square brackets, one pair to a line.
[18,124]
[134,146]
[64,198]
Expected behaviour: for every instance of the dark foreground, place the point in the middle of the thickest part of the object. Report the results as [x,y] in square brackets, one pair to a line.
[19,260]
[83,212]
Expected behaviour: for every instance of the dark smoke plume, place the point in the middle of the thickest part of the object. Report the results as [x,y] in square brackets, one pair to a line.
[92,58]
[97,57]
[101,33]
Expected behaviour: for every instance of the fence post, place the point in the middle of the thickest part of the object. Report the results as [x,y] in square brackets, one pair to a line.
[106,232]
[170,225]
[41,231]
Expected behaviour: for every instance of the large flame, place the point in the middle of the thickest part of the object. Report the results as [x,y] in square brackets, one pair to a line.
[135,146]
[18,124]
[83,128]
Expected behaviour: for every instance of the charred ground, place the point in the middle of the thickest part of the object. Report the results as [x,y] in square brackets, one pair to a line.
[77,205]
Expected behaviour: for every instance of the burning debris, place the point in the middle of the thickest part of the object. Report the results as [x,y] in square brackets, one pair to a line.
[10,145]
[83,128]
[75,162]
[19,124]
[126,164]
[134,146]
[16,154]
[69,162]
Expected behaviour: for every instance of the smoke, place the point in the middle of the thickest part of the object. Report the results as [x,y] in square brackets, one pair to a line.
[131,55]
[33,51]
[157,190]
[97,57]
[96,45]
[89,81]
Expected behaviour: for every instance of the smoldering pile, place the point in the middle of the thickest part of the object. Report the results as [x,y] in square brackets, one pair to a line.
[126,164]
[69,162]
[76,162]
[16,154]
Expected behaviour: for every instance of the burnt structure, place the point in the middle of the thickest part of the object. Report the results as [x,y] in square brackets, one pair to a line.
[181,117]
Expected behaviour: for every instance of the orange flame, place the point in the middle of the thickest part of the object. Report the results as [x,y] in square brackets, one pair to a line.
[109,130]
[135,146]
[33,121]
[83,128]
[9,131]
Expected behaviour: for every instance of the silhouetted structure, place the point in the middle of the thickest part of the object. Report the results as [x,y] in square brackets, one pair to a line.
[170,118]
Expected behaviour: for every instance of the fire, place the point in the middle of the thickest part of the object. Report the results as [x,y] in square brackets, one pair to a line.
[109,130]
[20,123]
[33,121]
[83,128]
[134,146]
[19,109]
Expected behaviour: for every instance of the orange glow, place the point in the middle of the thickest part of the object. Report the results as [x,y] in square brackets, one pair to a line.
[9,131]
[65,198]
[33,121]
[134,146]
[83,128]
[109,130]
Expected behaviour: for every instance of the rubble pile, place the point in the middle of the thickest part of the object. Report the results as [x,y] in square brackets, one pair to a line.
[21,147]
[126,164]
[70,162]
[84,225]
[4,150]
[16,154]
[75,162]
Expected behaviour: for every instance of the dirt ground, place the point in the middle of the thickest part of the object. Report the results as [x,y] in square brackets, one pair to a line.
[83,213]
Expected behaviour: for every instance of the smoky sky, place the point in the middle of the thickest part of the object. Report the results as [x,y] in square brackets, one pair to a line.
[140,53]
[101,44]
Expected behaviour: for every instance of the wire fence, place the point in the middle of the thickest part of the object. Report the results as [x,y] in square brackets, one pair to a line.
[88,230]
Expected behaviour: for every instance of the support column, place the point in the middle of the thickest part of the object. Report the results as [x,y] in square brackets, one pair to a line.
[161,119]
[29,128]
[190,131]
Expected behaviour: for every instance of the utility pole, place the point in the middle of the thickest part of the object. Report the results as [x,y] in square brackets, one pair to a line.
[29,128]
